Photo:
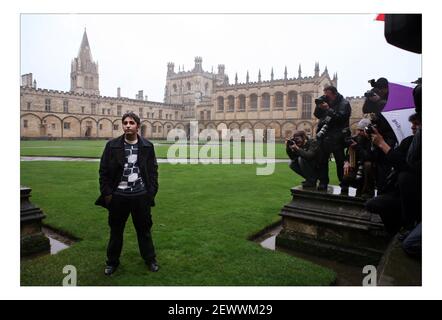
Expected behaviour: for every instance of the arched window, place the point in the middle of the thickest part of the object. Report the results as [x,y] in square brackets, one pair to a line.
[265,103]
[279,100]
[91,83]
[174,88]
[231,103]
[206,88]
[253,101]
[293,100]
[242,102]
[220,103]
[306,106]
[189,86]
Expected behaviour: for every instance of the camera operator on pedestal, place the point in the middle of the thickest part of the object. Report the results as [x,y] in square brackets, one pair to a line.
[375,101]
[304,154]
[359,164]
[333,112]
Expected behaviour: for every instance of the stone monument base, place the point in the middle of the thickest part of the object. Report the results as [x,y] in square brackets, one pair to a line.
[32,239]
[333,226]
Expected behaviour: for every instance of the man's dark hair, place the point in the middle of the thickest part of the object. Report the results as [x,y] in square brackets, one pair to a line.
[417,97]
[415,117]
[133,116]
[300,133]
[332,89]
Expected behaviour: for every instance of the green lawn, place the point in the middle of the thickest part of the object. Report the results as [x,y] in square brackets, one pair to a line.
[202,220]
[94,148]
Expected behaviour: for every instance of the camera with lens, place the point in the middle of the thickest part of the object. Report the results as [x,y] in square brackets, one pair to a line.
[372,82]
[291,142]
[370,93]
[369,129]
[295,140]
[348,139]
[321,100]
[324,128]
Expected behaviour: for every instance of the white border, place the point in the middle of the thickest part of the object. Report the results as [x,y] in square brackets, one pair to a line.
[10,265]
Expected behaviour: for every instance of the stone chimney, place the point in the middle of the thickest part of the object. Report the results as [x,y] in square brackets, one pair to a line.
[118,92]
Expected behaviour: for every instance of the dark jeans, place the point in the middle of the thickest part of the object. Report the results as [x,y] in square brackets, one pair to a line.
[305,169]
[388,206]
[411,199]
[401,207]
[119,210]
[413,242]
[364,185]
[329,147]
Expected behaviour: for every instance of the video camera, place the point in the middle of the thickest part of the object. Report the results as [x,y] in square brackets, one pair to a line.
[321,100]
[373,91]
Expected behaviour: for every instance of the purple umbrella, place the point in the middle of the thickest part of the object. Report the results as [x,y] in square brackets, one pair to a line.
[399,107]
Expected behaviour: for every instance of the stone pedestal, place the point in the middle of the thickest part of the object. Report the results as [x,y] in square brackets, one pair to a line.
[331,225]
[32,239]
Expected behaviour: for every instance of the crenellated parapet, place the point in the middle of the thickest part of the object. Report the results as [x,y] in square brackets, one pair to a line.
[114,100]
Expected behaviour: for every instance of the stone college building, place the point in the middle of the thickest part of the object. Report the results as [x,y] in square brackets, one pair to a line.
[284,104]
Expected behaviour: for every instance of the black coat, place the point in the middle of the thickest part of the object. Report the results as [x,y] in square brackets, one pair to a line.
[112,163]
[339,112]
[309,151]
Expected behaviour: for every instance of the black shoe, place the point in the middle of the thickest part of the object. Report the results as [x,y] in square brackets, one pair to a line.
[322,187]
[308,185]
[367,196]
[109,270]
[344,190]
[153,266]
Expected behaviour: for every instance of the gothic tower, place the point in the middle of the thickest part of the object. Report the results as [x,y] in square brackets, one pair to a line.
[84,71]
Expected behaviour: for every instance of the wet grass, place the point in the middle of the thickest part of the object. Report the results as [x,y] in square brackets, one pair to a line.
[94,149]
[202,220]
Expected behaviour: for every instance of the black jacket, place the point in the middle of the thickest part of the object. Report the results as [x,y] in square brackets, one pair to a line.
[339,112]
[111,168]
[309,151]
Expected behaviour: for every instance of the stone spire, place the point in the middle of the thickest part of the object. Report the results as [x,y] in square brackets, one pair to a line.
[316,69]
[247,77]
[259,75]
[271,75]
[84,71]
[236,78]
[85,51]
[299,71]
[335,79]
[285,73]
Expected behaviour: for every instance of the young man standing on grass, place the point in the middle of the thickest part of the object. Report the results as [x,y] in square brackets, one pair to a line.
[128,185]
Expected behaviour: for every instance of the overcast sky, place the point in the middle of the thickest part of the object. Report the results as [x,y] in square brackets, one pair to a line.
[133,50]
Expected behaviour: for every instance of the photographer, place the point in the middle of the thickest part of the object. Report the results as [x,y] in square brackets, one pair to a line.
[333,112]
[400,203]
[359,166]
[304,153]
[375,101]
